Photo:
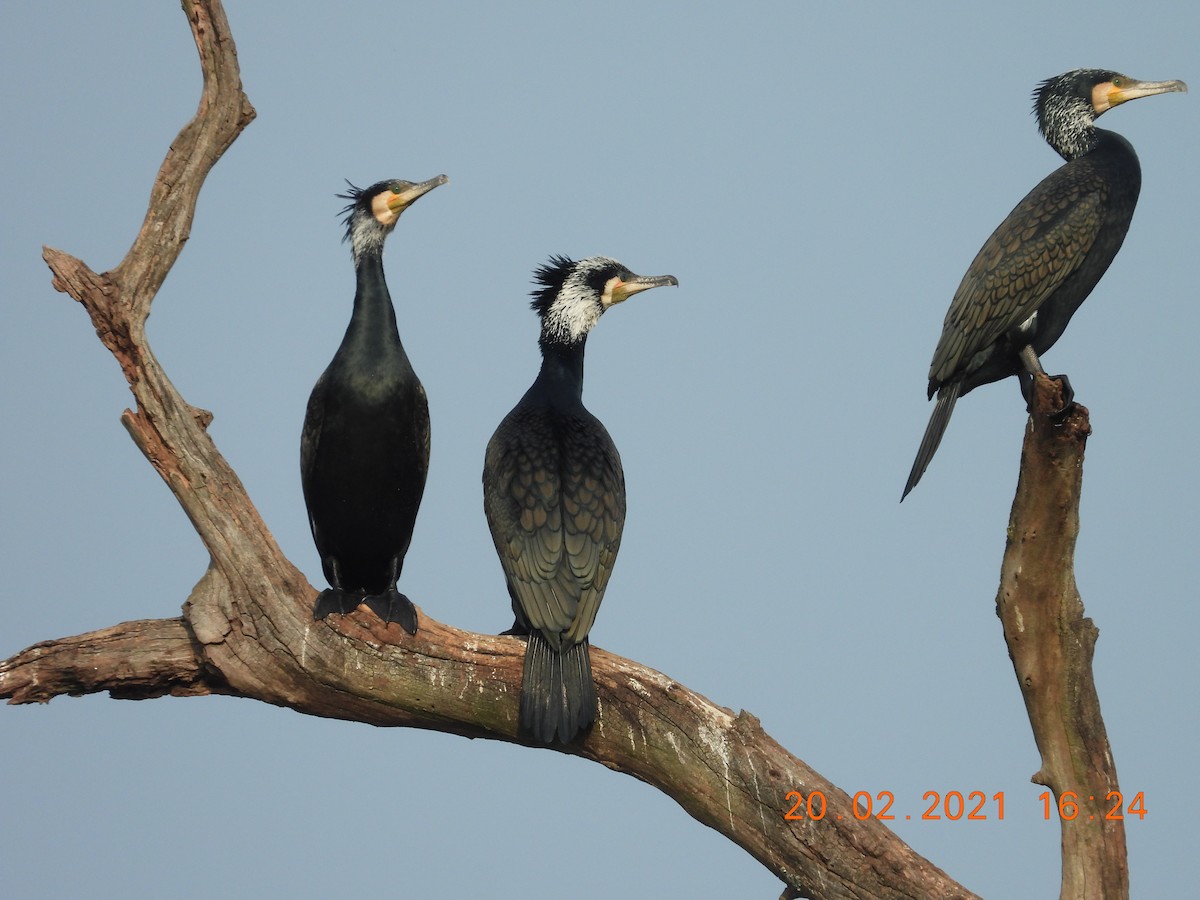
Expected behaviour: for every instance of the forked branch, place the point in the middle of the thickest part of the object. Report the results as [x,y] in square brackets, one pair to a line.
[247,628]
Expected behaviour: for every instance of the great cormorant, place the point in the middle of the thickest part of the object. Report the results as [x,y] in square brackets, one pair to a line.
[1045,258]
[554,495]
[364,453]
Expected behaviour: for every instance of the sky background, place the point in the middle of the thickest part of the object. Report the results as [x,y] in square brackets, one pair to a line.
[818,177]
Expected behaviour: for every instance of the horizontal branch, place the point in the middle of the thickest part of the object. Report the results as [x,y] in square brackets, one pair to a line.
[719,766]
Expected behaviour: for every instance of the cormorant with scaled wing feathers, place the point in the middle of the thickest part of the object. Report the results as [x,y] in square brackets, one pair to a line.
[1042,262]
[554,495]
[364,453]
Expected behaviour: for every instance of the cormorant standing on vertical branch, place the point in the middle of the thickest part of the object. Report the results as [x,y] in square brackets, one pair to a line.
[554,495]
[1045,258]
[364,453]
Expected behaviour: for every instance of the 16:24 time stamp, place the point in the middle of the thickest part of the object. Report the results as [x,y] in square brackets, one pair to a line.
[953,806]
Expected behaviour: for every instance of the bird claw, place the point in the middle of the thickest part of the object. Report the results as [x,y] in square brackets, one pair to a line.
[1068,399]
[393,606]
[1068,392]
[332,600]
[1068,395]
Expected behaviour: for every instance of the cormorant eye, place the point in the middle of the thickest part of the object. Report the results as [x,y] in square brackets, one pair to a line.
[1116,82]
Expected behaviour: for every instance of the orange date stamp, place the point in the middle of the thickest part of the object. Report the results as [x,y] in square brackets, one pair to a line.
[953,806]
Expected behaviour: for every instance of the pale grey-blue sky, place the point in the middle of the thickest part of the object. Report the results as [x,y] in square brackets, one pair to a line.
[818,177]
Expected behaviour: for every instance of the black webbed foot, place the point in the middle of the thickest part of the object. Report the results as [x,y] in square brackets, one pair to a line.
[332,600]
[517,630]
[393,606]
[1068,392]
[1068,399]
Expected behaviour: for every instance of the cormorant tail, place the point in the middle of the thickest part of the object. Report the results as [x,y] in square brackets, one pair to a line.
[947,397]
[558,697]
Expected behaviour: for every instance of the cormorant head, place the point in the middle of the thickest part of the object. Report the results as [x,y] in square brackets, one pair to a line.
[373,212]
[571,296]
[1067,105]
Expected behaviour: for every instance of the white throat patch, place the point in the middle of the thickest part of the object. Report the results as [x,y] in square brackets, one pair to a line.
[367,236]
[578,307]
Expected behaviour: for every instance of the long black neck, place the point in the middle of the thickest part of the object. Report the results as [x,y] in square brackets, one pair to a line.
[373,323]
[1114,142]
[1113,158]
[561,377]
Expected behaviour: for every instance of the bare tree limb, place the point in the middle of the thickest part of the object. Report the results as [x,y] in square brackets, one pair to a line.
[721,767]
[247,629]
[132,661]
[1051,645]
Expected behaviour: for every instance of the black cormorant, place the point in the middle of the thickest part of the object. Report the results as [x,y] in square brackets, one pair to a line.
[364,453]
[1045,258]
[554,495]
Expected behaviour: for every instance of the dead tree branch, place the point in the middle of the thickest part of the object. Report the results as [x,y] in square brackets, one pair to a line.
[132,661]
[247,629]
[1051,645]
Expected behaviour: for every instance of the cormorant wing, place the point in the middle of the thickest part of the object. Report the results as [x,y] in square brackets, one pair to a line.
[556,506]
[1034,250]
[310,440]
[423,429]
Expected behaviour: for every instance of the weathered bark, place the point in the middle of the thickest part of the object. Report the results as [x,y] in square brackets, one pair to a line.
[132,661]
[720,767]
[1051,645]
[247,628]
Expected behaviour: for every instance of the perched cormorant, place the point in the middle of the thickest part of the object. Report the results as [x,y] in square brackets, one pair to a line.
[554,495]
[1045,258]
[364,453]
